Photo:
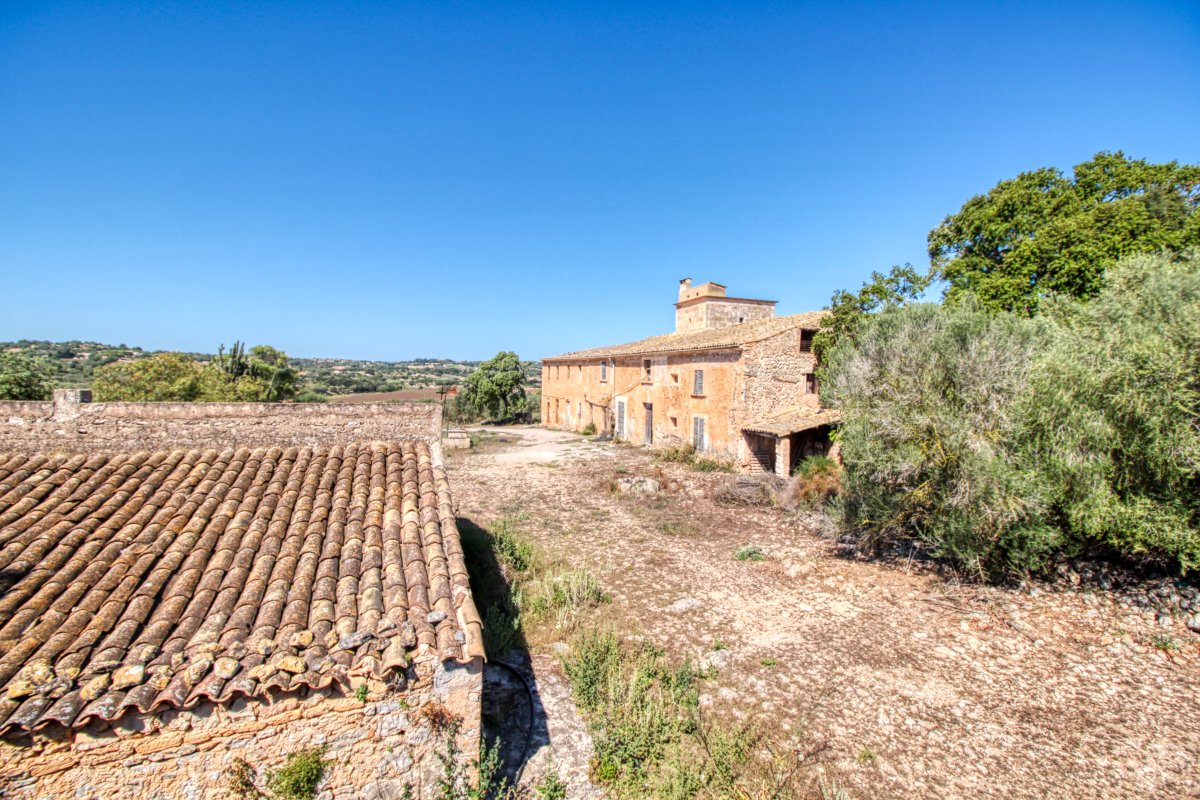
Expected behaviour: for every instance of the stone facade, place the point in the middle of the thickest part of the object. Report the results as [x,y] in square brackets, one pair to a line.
[706,306]
[67,424]
[374,747]
[649,392]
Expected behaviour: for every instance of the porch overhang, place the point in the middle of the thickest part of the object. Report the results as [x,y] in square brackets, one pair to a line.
[794,419]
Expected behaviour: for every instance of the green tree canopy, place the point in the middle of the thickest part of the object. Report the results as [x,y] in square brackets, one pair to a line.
[1045,233]
[23,377]
[899,286]
[497,386]
[263,376]
[162,377]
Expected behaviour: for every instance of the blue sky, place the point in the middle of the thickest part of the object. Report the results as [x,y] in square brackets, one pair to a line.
[450,179]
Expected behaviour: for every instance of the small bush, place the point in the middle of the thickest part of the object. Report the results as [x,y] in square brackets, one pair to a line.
[551,786]
[311,396]
[589,429]
[709,465]
[300,775]
[750,552]
[815,481]
[639,704]
[682,454]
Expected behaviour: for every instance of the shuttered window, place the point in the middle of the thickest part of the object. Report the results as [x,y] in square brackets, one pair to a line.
[603,370]
[621,418]
[698,433]
[698,382]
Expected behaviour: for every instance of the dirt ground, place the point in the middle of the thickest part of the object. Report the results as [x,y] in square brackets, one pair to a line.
[919,687]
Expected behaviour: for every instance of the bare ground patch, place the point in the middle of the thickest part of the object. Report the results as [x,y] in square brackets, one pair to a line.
[918,686]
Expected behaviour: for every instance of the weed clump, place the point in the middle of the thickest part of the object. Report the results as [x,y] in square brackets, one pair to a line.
[652,740]
[300,775]
[750,552]
[815,481]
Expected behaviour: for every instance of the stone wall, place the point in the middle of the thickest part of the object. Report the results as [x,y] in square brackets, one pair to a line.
[375,747]
[112,427]
[719,312]
[775,376]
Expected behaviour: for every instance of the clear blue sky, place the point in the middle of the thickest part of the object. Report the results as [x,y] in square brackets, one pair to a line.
[447,179]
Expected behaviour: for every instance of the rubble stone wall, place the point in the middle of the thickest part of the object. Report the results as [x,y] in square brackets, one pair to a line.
[113,427]
[374,748]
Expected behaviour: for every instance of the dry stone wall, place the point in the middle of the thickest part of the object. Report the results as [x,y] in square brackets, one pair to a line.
[374,748]
[113,427]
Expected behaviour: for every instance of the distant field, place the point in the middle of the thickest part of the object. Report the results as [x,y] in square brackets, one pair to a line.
[386,397]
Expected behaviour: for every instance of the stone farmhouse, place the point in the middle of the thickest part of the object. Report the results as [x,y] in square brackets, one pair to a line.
[733,380]
[184,587]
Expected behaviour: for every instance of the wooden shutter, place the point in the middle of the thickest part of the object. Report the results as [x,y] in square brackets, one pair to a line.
[621,418]
[698,433]
[698,382]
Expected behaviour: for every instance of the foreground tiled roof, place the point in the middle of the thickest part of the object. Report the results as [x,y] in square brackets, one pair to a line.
[731,336]
[156,580]
[793,420]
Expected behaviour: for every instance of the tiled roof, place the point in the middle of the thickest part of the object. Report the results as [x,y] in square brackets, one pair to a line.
[793,420]
[731,336]
[156,580]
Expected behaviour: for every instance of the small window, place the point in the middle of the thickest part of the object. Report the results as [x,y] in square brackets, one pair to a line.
[674,422]
[806,340]
[603,370]
[645,369]
[810,383]
[698,382]
[698,433]
[674,377]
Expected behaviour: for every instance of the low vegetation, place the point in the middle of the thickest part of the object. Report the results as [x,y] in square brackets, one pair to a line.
[1001,441]
[653,740]
[686,454]
[297,779]
[528,594]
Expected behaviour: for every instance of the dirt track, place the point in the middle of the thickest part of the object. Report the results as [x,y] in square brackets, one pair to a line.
[918,687]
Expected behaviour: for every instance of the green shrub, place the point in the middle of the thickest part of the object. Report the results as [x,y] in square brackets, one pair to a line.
[813,466]
[300,775]
[639,704]
[1001,441]
[311,396]
[751,552]
[1114,412]
[927,395]
[709,465]
[683,454]
[589,429]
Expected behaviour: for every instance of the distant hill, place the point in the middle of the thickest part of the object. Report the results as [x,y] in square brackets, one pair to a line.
[74,363]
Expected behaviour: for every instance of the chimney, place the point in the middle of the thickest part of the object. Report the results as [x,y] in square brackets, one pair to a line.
[684,285]
[67,401]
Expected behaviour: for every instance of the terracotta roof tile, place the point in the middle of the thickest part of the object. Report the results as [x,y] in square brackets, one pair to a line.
[793,420]
[731,336]
[152,580]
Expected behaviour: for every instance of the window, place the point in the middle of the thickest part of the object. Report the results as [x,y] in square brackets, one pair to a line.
[806,340]
[698,433]
[698,382]
[645,369]
[674,422]
[810,384]
[621,418]
[603,370]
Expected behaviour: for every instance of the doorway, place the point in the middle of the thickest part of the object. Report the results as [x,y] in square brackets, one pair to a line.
[649,423]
